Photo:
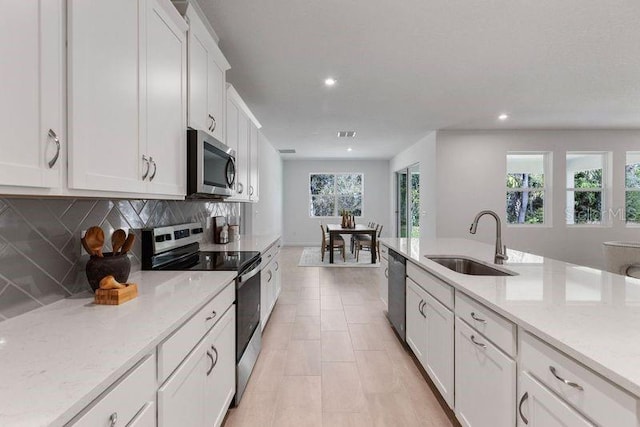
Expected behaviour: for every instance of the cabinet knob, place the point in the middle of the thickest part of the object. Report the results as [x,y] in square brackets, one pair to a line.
[479,344]
[421,306]
[113,419]
[240,188]
[476,318]
[55,139]
[213,363]
[270,276]
[522,400]
[213,315]
[251,190]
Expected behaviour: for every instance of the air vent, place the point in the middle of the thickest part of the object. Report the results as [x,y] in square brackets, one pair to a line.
[346,133]
[287,151]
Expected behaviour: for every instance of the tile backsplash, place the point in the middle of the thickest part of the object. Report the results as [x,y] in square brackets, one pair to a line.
[40,252]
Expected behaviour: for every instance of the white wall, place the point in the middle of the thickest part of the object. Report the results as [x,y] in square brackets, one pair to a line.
[424,152]
[265,216]
[301,229]
[471,177]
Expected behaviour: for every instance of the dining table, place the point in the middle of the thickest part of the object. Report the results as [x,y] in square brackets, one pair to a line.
[337,229]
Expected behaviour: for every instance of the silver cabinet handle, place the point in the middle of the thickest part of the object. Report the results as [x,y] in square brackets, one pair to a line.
[213,315]
[479,344]
[421,308]
[55,138]
[146,172]
[214,124]
[213,364]
[386,273]
[211,125]
[522,400]
[240,188]
[113,419]
[476,318]
[251,190]
[277,266]
[155,169]
[270,276]
[215,350]
[569,383]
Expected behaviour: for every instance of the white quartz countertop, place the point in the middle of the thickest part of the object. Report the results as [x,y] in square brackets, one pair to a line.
[246,243]
[589,314]
[55,360]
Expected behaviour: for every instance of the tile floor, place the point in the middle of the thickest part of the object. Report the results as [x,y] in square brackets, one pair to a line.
[330,358]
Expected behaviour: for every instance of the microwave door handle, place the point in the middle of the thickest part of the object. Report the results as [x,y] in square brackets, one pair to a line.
[230,172]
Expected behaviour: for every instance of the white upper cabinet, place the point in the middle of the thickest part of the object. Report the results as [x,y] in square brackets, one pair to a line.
[127,97]
[243,136]
[31,84]
[104,89]
[165,112]
[207,77]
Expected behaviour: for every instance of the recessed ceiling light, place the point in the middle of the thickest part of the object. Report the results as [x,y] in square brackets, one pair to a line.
[330,81]
[503,117]
[346,134]
[349,149]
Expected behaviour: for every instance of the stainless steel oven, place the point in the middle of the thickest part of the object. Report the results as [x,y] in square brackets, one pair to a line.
[211,166]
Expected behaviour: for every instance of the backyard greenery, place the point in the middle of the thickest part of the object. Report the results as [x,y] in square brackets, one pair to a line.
[334,193]
[632,207]
[525,198]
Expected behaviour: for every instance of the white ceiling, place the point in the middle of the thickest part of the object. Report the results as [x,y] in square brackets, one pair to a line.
[411,66]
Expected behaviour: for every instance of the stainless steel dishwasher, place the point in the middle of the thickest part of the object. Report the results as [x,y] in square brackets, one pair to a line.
[397,292]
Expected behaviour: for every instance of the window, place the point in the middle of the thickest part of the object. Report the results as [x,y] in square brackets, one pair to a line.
[585,187]
[331,194]
[632,184]
[526,175]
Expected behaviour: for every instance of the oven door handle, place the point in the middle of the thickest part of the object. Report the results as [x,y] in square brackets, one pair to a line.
[246,276]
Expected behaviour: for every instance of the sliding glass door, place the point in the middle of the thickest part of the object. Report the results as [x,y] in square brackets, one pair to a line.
[408,201]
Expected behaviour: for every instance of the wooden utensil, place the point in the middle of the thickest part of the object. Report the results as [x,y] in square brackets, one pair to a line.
[86,246]
[128,244]
[117,240]
[95,240]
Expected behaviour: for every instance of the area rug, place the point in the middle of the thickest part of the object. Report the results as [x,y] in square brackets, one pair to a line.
[311,258]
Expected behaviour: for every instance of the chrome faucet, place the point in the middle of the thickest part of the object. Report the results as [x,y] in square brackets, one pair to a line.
[501,251]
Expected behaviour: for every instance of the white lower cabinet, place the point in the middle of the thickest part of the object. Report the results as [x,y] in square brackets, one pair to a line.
[539,407]
[270,285]
[485,381]
[126,401]
[383,279]
[430,337]
[200,390]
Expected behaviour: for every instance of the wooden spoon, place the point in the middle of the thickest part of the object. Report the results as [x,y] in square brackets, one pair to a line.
[95,240]
[86,247]
[117,240]
[128,244]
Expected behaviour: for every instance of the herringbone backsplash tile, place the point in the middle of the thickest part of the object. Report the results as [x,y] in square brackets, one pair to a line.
[40,252]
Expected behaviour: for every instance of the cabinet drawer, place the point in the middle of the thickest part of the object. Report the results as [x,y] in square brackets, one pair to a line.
[128,397]
[270,254]
[173,350]
[437,288]
[490,324]
[384,252]
[591,394]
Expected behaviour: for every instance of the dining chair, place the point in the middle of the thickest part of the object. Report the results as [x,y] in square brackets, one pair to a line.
[364,241]
[338,243]
[370,224]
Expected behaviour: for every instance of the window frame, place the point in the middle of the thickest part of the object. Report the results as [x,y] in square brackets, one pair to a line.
[335,193]
[546,189]
[604,190]
[633,224]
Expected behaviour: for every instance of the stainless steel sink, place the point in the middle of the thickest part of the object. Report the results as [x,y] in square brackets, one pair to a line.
[468,266]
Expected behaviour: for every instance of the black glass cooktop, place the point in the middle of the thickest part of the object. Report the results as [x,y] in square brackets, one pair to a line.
[214,261]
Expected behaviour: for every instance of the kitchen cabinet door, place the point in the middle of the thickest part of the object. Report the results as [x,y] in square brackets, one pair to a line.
[181,399]
[164,111]
[207,79]
[383,281]
[439,351]
[242,157]
[31,105]
[416,320]
[103,95]
[254,152]
[220,384]
[146,417]
[539,407]
[485,381]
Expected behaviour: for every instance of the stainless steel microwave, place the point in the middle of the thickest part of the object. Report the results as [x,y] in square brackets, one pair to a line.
[211,166]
